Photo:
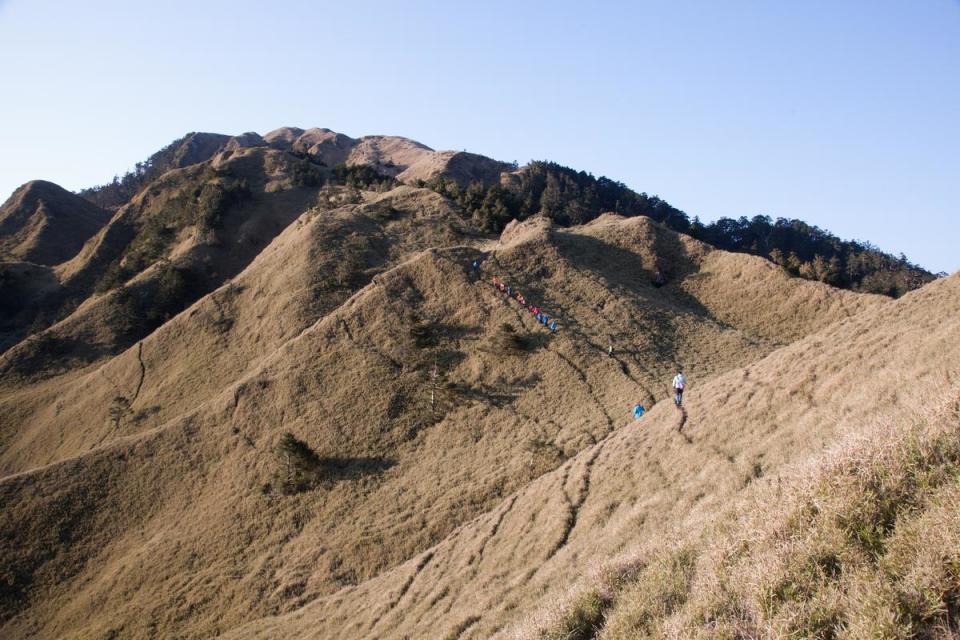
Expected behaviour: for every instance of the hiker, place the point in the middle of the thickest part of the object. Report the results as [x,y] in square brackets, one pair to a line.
[658,279]
[638,411]
[610,350]
[553,326]
[510,292]
[679,382]
[476,266]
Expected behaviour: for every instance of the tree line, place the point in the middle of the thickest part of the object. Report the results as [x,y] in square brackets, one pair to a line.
[121,189]
[570,197]
[810,252]
[566,196]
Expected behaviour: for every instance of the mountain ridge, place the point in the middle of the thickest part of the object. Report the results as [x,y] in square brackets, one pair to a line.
[281,393]
[351,330]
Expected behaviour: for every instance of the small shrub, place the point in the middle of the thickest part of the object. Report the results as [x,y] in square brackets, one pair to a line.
[146,412]
[119,409]
[424,334]
[510,342]
[458,630]
[540,447]
[301,465]
[381,212]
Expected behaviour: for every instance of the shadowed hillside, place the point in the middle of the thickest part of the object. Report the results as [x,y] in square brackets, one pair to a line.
[46,225]
[192,230]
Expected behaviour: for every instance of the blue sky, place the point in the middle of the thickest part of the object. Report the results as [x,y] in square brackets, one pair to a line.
[841,113]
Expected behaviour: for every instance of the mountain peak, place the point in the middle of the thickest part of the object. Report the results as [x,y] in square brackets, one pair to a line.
[44,223]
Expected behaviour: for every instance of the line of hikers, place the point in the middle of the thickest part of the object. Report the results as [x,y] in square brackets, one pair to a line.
[679,380]
[506,289]
[537,312]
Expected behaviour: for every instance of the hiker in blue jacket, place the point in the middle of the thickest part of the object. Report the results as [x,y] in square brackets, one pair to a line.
[638,411]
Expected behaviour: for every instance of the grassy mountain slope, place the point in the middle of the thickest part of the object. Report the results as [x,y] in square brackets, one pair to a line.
[862,543]
[309,270]
[651,482]
[186,234]
[270,397]
[192,466]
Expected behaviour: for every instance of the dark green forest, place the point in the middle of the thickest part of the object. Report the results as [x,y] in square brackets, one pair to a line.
[570,197]
[566,196]
[810,252]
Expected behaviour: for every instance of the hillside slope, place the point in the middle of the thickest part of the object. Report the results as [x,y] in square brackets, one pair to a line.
[278,392]
[861,542]
[169,513]
[650,480]
[202,207]
[190,231]
[310,269]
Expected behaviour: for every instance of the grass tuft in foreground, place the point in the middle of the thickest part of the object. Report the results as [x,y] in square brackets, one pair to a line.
[865,543]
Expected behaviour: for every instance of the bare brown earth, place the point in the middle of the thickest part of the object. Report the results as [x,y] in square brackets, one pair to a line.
[475,464]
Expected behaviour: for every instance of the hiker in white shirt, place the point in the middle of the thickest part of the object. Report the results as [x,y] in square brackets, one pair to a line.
[679,382]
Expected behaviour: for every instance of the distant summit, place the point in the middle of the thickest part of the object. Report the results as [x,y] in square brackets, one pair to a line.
[391,156]
[46,224]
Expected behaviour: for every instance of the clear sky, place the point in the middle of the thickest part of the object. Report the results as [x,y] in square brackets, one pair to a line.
[843,113]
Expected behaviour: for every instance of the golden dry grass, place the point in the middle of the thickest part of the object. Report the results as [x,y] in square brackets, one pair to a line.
[455,519]
[647,483]
[861,541]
